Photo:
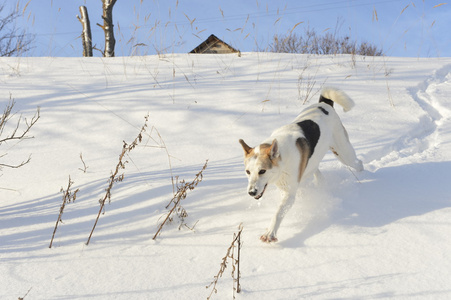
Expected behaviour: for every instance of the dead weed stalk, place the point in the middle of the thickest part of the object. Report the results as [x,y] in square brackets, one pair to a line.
[18,132]
[236,274]
[85,167]
[68,196]
[182,189]
[126,148]
[22,298]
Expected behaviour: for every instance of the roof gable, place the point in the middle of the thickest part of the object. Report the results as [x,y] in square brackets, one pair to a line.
[214,45]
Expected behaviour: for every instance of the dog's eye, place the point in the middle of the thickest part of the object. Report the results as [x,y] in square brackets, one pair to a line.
[248,172]
[261,172]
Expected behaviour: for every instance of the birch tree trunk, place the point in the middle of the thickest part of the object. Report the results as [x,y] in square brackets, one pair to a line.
[86,34]
[108,27]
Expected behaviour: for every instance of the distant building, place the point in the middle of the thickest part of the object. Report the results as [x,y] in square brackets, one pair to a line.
[213,45]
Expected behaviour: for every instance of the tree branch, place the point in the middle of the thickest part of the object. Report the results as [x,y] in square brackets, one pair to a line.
[14,135]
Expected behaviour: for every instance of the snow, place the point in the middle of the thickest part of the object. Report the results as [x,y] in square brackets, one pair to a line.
[381,233]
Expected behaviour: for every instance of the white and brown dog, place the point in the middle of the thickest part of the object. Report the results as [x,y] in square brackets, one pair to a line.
[294,151]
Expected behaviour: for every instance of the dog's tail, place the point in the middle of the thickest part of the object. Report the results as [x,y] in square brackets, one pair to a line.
[330,95]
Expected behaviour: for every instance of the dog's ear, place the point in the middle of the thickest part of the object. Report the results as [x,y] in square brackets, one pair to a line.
[274,150]
[246,148]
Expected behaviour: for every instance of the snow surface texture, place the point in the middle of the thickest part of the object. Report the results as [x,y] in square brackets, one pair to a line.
[379,234]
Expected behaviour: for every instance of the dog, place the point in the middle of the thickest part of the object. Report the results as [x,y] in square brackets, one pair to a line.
[293,152]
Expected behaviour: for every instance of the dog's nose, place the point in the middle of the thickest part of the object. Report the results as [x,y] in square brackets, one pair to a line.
[253,192]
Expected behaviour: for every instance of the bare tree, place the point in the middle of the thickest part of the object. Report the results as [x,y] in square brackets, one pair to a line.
[107,27]
[86,36]
[13,42]
[16,132]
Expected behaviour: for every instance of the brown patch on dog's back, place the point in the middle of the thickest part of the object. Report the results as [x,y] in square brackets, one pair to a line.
[304,150]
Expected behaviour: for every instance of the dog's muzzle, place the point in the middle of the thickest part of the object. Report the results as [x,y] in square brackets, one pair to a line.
[254,192]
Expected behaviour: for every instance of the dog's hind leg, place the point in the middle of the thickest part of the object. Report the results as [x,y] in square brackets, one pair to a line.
[288,197]
[318,177]
[343,149]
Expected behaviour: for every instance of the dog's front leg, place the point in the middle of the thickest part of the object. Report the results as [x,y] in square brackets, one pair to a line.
[287,202]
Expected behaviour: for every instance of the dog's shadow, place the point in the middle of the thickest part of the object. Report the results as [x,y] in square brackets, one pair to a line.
[378,199]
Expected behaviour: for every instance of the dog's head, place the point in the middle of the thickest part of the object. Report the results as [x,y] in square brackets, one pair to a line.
[261,165]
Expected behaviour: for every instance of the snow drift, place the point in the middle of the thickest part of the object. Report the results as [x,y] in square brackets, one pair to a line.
[382,233]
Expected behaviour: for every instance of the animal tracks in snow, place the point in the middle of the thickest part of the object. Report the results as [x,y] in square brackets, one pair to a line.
[432,96]
[429,135]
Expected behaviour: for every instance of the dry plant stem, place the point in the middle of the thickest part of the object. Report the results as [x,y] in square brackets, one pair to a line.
[235,264]
[179,196]
[160,144]
[169,158]
[238,285]
[7,115]
[387,73]
[22,298]
[114,178]
[85,167]
[14,135]
[308,87]
[68,196]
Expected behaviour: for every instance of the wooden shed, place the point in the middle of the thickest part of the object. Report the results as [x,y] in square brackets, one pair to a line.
[214,45]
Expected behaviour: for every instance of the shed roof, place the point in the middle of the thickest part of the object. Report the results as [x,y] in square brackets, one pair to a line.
[214,45]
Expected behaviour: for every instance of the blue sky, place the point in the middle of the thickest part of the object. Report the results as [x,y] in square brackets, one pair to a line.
[401,28]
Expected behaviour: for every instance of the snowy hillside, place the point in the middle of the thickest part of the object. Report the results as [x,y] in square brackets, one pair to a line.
[383,233]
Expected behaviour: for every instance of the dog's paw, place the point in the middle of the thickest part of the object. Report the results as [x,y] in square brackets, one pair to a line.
[268,238]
